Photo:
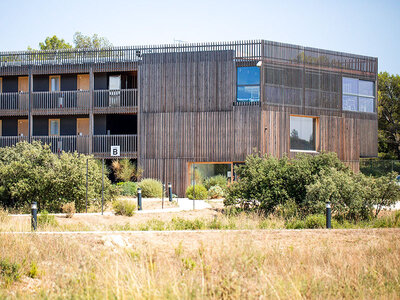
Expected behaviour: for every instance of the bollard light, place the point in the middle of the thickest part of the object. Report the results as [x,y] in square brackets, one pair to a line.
[139,198]
[34,216]
[328,215]
[170,191]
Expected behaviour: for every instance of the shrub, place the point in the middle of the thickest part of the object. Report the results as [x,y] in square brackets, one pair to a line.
[127,188]
[295,224]
[124,207]
[9,271]
[215,192]
[315,221]
[31,172]
[44,219]
[200,192]
[125,170]
[151,188]
[218,180]
[68,209]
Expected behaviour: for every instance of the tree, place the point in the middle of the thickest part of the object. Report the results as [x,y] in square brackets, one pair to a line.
[80,41]
[389,115]
[31,172]
[94,42]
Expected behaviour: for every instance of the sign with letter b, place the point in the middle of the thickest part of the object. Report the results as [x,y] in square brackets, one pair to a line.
[115,150]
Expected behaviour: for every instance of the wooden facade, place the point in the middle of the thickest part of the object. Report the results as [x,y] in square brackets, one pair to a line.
[185,101]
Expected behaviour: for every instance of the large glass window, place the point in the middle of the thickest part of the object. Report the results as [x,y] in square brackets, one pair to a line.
[248,84]
[358,95]
[199,172]
[54,126]
[302,133]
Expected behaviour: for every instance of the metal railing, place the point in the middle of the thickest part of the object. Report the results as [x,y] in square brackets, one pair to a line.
[67,143]
[102,143]
[14,101]
[64,100]
[115,98]
[8,141]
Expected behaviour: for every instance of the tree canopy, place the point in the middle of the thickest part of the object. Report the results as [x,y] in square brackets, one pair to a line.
[389,115]
[80,41]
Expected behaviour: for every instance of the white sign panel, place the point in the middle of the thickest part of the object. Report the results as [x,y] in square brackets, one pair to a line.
[115,150]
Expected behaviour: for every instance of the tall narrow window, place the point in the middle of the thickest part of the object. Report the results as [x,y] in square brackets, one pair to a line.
[1,85]
[358,95]
[248,84]
[302,133]
[54,126]
[54,83]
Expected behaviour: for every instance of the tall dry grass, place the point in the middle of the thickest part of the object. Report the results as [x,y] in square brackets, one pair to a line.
[362,264]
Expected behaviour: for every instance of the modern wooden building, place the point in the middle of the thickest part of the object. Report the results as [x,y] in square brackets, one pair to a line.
[177,108]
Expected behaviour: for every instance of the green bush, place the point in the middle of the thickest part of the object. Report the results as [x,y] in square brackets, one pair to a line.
[218,180]
[215,192]
[9,271]
[299,187]
[31,172]
[200,192]
[295,224]
[315,221]
[151,188]
[124,207]
[44,219]
[127,188]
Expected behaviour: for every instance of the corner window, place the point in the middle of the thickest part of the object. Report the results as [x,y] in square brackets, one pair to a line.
[358,95]
[303,133]
[54,127]
[248,84]
[54,83]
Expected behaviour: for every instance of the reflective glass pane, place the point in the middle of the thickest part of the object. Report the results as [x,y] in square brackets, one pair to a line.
[349,102]
[248,93]
[54,127]
[366,88]
[366,104]
[350,86]
[248,75]
[55,84]
[302,133]
[201,172]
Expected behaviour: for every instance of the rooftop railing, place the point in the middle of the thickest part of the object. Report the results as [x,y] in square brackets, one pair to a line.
[252,49]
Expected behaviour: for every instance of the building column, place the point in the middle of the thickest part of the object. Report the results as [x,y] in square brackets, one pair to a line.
[30,105]
[91,105]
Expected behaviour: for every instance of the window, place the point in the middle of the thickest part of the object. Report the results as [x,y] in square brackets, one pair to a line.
[1,85]
[199,171]
[303,133]
[358,95]
[248,84]
[54,83]
[54,126]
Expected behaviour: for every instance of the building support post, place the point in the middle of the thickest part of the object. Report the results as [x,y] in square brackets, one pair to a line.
[91,105]
[30,100]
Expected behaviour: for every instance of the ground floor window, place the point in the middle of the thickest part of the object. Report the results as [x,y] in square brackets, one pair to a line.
[303,133]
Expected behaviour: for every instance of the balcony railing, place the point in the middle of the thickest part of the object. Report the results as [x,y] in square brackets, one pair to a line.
[71,143]
[67,143]
[102,144]
[8,141]
[14,103]
[45,102]
[116,100]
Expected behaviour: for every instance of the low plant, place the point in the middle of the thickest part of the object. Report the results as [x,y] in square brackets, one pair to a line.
[68,209]
[315,221]
[215,192]
[33,270]
[197,192]
[45,219]
[218,180]
[124,207]
[9,271]
[151,188]
[127,188]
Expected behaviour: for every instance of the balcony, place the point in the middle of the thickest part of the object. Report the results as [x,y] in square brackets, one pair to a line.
[14,104]
[66,102]
[115,101]
[70,143]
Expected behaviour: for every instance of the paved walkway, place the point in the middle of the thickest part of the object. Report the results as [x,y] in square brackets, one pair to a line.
[184,204]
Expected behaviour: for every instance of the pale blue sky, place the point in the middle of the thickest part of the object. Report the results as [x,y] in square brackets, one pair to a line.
[362,27]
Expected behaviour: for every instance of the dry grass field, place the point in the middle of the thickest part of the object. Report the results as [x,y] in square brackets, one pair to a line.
[255,264]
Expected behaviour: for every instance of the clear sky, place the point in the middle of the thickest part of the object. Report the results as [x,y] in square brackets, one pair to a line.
[357,26]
